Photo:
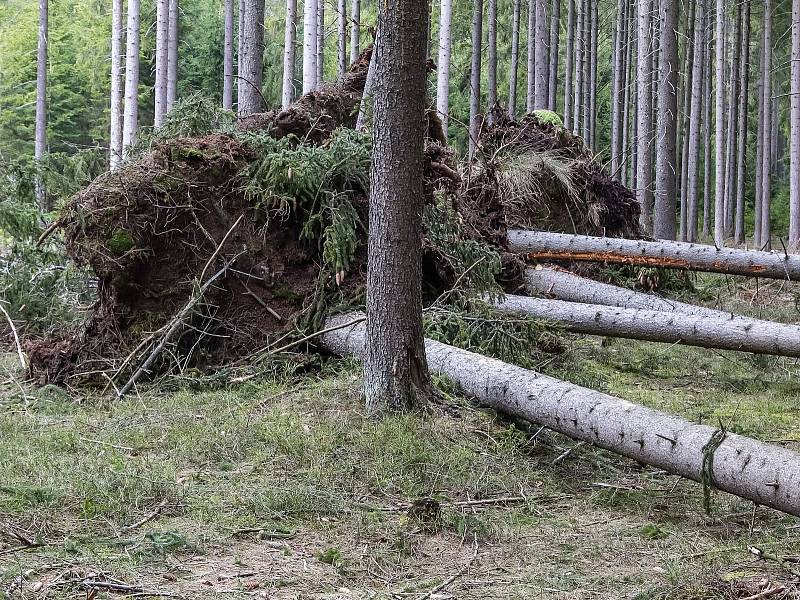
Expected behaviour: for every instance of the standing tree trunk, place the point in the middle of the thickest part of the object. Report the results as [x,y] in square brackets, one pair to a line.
[707,74]
[696,121]
[592,104]
[667,133]
[341,20]
[683,131]
[719,120]
[580,52]
[541,93]
[115,138]
[251,62]
[794,142]
[162,58]
[759,147]
[289,38]
[617,91]
[492,62]
[320,42]
[395,368]
[131,116]
[555,30]
[569,70]
[227,60]
[514,68]
[531,96]
[628,103]
[644,160]
[744,90]
[766,162]
[443,73]
[40,134]
[475,121]
[587,69]
[733,120]
[172,54]
[309,46]
[355,31]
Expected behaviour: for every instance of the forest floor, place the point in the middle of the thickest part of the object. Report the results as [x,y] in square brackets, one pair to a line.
[284,490]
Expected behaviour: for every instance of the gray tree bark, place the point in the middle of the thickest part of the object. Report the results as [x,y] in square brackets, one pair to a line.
[667,134]
[768,475]
[491,66]
[794,143]
[617,89]
[341,20]
[289,40]
[320,42]
[555,30]
[543,246]
[475,119]
[541,93]
[580,54]
[227,59]
[759,188]
[355,31]
[115,138]
[162,58]
[696,122]
[683,131]
[594,31]
[443,68]
[719,120]
[731,151]
[766,163]
[40,132]
[130,124]
[744,89]
[172,54]
[707,129]
[628,104]
[309,46]
[395,368]
[740,335]
[514,67]
[369,86]
[644,128]
[251,61]
[531,95]
[569,66]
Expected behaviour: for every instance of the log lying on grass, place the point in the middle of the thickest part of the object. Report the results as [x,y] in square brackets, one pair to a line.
[759,337]
[544,246]
[567,286]
[766,474]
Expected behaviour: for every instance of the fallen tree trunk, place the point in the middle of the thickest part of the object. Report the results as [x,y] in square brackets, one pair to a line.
[765,474]
[544,246]
[759,337]
[567,286]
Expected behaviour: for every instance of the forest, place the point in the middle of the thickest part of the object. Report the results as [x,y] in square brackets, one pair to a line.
[404,299]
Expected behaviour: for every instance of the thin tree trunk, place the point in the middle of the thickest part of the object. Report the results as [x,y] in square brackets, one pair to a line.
[239,51]
[341,20]
[587,70]
[131,117]
[40,133]
[569,70]
[627,135]
[555,30]
[683,132]
[172,54]
[531,95]
[475,120]
[707,128]
[696,122]
[514,68]
[580,48]
[595,29]
[227,59]
[733,120]
[289,40]
[544,246]
[443,73]
[541,93]
[766,163]
[794,141]
[369,86]
[309,46]
[644,161]
[491,67]
[667,133]
[162,58]
[759,188]
[719,120]
[744,92]
[617,91]
[355,31]
[320,42]
[251,63]
[115,138]
[768,475]
[395,368]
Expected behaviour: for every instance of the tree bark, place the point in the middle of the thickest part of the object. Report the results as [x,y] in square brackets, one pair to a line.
[768,475]
[355,31]
[555,30]
[531,95]
[587,69]
[592,104]
[794,143]
[341,20]
[627,128]
[759,188]
[707,129]
[40,131]
[227,59]
[320,42]
[309,46]
[683,131]
[395,369]
[115,137]
[744,93]
[491,66]
[162,58]
[369,86]
[644,160]
[475,120]
[617,90]
[766,163]
[719,120]
[131,114]
[731,152]
[172,54]
[251,62]
[569,67]
[541,93]
[443,72]
[696,122]
[544,246]
[580,53]
[666,152]
[289,40]
[514,68]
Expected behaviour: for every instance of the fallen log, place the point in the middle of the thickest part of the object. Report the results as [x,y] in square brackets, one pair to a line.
[732,333]
[567,286]
[545,246]
[765,474]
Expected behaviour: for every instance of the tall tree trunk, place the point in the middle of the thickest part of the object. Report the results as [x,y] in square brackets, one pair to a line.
[595,30]
[395,368]
[617,91]
[227,59]
[741,155]
[309,46]
[475,120]
[289,40]
[130,124]
[580,51]
[355,31]
[514,68]
[733,120]
[794,141]
[341,20]
[541,93]
[531,95]
[115,138]
[587,70]
[320,42]
[695,123]
[628,102]
[719,120]
[40,133]
[239,52]
[667,132]
[491,67]
[766,163]
[707,89]
[759,188]
[644,161]
[555,30]
[569,70]
[172,54]
[443,73]
[369,86]
[251,63]
[162,58]
[683,130]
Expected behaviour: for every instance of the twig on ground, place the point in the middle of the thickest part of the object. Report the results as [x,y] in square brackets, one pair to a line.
[22,358]
[564,455]
[146,519]
[767,593]
[455,576]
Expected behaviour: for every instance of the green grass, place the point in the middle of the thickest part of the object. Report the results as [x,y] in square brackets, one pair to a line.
[285,487]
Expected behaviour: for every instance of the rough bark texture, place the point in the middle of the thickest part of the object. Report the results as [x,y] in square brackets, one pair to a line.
[664,226]
[443,68]
[580,53]
[491,66]
[707,102]
[320,42]
[475,120]
[514,67]
[227,59]
[592,78]
[309,46]
[683,129]
[289,39]
[768,475]
[644,159]
[544,246]
[695,124]
[162,58]
[627,134]
[569,66]
[115,138]
[555,30]
[172,54]
[341,46]
[617,89]
[40,133]
[766,155]
[794,143]
[741,158]
[530,99]
[719,136]
[131,113]
[355,31]
[369,86]
[733,120]
[395,369]
[251,61]
[541,93]
[655,326]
